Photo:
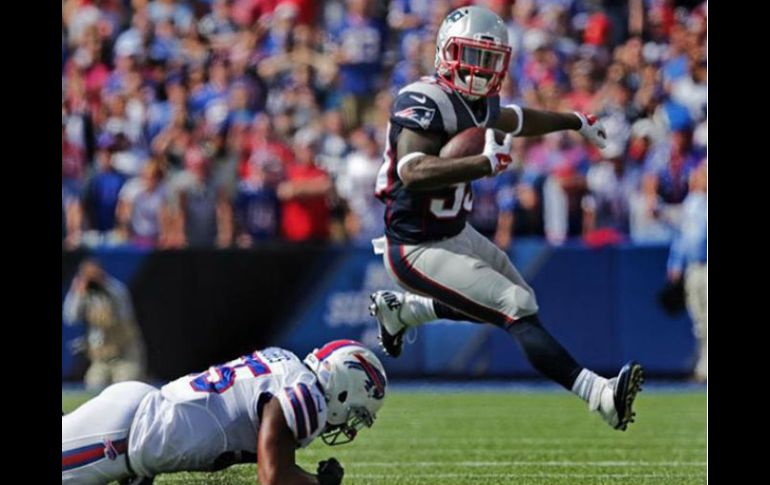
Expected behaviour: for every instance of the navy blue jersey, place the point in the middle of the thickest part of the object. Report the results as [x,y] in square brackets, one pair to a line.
[413,217]
[257,210]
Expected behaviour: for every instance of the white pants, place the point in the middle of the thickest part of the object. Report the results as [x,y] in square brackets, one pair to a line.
[466,272]
[94,437]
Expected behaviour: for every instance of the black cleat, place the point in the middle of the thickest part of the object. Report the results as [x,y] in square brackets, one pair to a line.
[628,385]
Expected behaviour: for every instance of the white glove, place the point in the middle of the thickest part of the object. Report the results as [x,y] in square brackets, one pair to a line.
[592,129]
[499,156]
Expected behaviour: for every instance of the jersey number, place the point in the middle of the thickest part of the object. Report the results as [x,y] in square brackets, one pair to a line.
[221,378]
[462,198]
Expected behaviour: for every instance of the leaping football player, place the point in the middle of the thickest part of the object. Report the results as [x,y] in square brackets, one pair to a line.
[448,269]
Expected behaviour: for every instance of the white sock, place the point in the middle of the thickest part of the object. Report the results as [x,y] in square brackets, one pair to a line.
[588,386]
[417,310]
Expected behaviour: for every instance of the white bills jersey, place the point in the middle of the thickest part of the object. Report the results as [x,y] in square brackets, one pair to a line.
[210,420]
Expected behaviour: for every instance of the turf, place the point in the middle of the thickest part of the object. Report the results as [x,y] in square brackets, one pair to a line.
[503,437]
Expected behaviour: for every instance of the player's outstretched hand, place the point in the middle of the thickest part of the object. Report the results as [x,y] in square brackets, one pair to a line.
[592,129]
[499,155]
[330,472]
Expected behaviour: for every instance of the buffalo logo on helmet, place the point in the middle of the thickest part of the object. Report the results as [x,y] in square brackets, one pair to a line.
[375,381]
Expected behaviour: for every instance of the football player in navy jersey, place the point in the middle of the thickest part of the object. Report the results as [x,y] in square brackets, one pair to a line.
[448,269]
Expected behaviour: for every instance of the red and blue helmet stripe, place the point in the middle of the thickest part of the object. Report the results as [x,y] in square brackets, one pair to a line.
[328,349]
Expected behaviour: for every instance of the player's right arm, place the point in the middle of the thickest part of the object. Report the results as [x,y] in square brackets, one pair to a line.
[420,167]
[276,446]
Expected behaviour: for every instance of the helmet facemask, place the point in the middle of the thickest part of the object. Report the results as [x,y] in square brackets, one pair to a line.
[474,68]
[339,434]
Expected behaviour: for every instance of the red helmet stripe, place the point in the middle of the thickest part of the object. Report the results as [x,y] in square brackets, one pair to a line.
[329,348]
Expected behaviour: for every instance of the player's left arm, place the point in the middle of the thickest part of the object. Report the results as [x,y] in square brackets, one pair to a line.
[533,122]
[276,448]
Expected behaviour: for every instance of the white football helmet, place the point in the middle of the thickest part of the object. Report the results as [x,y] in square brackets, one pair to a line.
[472,51]
[354,381]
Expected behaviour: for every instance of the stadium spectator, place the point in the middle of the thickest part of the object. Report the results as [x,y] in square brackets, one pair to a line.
[581,97]
[611,184]
[649,217]
[355,184]
[256,207]
[102,191]
[143,218]
[202,214]
[673,176]
[359,47]
[114,341]
[333,146]
[304,194]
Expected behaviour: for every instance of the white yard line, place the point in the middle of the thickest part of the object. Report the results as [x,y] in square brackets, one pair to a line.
[530,463]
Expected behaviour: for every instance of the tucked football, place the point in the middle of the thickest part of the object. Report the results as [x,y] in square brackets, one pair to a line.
[467,143]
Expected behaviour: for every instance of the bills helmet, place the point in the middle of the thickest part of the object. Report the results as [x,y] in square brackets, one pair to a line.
[353,380]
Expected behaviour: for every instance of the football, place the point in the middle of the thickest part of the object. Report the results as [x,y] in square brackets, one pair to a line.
[467,143]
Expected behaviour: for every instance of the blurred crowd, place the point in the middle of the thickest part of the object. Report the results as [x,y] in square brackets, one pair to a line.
[220,123]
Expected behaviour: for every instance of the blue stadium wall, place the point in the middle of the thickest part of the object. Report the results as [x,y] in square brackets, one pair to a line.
[197,308]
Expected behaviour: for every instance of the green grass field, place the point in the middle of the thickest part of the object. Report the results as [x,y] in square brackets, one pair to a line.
[537,438]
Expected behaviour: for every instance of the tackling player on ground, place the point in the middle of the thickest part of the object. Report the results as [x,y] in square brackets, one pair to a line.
[265,404]
[449,270]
